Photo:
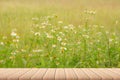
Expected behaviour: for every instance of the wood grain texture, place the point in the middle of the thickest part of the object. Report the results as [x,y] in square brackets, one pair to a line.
[59,74]
[50,74]
[114,75]
[91,74]
[27,76]
[80,74]
[39,75]
[17,74]
[4,74]
[117,71]
[70,74]
[101,73]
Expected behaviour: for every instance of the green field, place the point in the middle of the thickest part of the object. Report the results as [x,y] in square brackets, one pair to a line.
[60,33]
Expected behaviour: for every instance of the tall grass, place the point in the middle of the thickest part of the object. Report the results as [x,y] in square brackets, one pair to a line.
[60,34]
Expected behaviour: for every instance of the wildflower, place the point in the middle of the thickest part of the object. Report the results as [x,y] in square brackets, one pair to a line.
[2,43]
[110,40]
[53,30]
[75,32]
[78,42]
[63,43]
[13,53]
[71,26]
[79,26]
[85,11]
[61,33]
[98,41]
[36,26]
[59,39]
[23,50]
[16,40]
[13,34]
[37,34]
[54,46]
[12,57]
[95,26]
[92,12]
[30,55]
[37,50]
[60,22]
[91,43]
[63,48]
[45,23]
[43,26]
[65,27]
[49,36]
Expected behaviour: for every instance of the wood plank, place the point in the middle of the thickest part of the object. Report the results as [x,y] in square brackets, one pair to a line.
[80,74]
[6,73]
[91,74]
[70,75]
[115,70]
[103,75]
[39,75]
[3,71]
[16,75]
[29,74]
[50,74]
[115,76]
[60,74]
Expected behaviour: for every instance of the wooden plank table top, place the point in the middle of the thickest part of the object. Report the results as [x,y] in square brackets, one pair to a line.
[59,73]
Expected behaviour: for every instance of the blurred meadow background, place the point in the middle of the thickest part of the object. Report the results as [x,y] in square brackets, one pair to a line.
[60,33]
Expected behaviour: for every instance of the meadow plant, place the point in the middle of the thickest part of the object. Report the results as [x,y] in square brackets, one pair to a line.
[51,43]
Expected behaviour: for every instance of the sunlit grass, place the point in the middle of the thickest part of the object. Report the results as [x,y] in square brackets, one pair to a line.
[60,33]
